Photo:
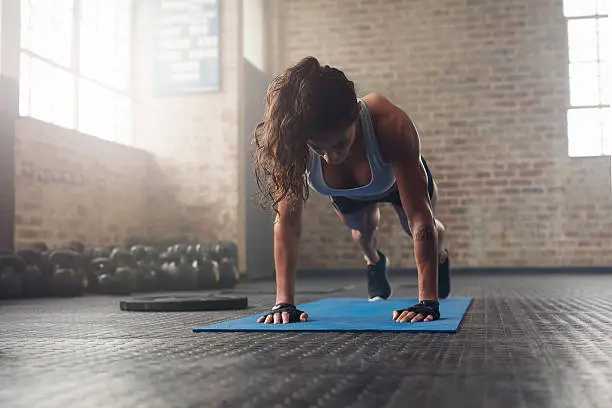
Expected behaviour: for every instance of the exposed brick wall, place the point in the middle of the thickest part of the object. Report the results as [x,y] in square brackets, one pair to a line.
[180,181]
[194,138]
[71,186]
[486,83]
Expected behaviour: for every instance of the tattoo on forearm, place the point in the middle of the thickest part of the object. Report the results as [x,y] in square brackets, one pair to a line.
[425,233]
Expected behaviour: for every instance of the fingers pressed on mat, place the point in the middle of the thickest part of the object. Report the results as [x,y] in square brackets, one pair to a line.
[408,317]
[280,318]
[411,317]
[277,318]
[417,318]
[285,313]
[269,318]
[425,310]
[405,316]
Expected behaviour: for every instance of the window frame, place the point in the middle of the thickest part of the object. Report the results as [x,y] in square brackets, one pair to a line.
[605,140]
[74,69]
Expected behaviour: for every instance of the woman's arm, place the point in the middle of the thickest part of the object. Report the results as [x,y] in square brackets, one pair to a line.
[400,144]
[287,233]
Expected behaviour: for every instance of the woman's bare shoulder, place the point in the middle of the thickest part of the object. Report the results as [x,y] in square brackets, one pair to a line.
[394,129]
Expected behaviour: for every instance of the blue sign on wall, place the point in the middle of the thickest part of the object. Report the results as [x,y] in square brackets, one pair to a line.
[187,47]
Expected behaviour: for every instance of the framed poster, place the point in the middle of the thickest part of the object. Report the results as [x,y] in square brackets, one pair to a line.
[186,56]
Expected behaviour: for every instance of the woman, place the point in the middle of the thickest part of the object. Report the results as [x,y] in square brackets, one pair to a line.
[359,152]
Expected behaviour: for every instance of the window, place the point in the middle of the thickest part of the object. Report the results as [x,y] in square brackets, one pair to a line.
[75,65]
[589,37]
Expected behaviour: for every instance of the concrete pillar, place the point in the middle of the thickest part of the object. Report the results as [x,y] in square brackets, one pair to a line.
[9,111]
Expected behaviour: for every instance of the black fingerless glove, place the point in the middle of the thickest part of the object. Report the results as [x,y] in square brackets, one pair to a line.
[294,313]
[425,308]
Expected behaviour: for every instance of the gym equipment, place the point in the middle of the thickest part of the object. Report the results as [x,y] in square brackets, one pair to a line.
[84,258]
[45,266]
[228,274]
[147,271]
[100,274]
[125,268]
[225,254]
[224,249]
[152,254]
[103,280]
[66,277]
[138,252]
[208,273]
[34,280]
[12,270]
[207,270]
[76,246]
[179,273]
[89,253]
[184,303]
[102,252]
[354,315]
[41,246]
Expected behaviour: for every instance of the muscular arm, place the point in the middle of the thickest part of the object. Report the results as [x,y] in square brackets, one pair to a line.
[402,149]
[287,232]
[412,185]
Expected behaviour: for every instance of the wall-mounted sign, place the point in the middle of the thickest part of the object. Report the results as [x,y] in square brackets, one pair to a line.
[187,47]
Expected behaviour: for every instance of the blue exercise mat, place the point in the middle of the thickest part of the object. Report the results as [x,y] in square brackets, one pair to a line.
[354,315]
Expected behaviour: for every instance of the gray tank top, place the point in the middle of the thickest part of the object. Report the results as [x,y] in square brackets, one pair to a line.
[382,174]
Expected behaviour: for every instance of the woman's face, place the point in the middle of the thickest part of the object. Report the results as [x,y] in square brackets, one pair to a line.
[335,147]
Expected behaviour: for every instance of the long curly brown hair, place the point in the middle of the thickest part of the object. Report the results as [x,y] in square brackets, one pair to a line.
[304,101]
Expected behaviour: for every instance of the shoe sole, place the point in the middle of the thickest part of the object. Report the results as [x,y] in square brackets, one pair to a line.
[379,298]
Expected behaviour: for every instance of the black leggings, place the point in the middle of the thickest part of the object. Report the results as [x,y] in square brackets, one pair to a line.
[345,205]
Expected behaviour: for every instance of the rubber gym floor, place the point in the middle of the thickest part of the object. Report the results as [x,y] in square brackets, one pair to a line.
[527,340]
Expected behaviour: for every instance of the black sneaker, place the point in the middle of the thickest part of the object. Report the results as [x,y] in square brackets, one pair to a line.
[444,284]
[378,283]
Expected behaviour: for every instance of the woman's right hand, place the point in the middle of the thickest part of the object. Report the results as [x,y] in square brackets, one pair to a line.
[283,313]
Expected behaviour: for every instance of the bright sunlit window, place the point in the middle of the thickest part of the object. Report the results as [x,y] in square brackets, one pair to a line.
[75,65]
[590,42]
